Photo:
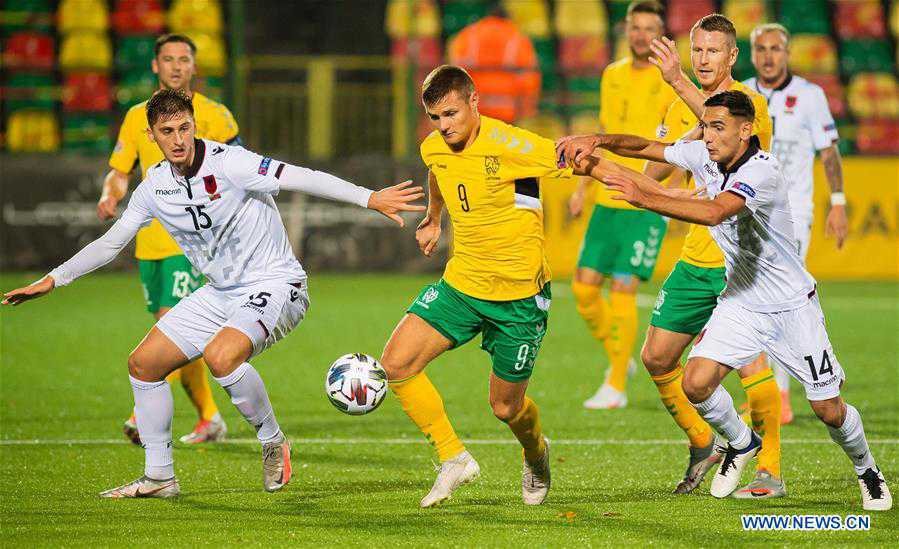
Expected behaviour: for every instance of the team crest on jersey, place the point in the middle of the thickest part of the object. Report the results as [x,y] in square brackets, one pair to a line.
[428,297]
[263,166]
[790,103]
[211,187]
[491,166]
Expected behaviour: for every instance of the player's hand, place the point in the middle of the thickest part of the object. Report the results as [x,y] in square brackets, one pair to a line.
[837,225]
[666,58]
[627,189]
[398,198]
[573,149]
[576,203]
[41,287]
[427,235]
[106,207]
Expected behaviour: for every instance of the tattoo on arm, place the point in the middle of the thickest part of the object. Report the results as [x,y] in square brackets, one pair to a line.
[833,168]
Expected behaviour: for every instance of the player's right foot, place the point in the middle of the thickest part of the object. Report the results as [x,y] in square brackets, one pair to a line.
[606,398]
[207,430]
[786,410]
[733,463]
[452,474]
[763,486]
[145,487]
[875,494]
[129,428]
[701,462]
[535,479]
[276,469]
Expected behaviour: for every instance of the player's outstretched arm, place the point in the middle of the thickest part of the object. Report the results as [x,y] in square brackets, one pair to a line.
[33,291]
[639,193]
[573,150]
[667,59]
[427,235]
[393,200]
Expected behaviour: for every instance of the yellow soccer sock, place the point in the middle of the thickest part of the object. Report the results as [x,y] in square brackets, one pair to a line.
[526,427]
[685,415]
[196,385]
[423,405]
[593,307]
[764,406]
[620,343]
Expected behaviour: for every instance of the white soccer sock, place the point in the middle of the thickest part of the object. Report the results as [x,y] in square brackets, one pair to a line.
[248,394]
[780,376]
[718,410]
[154,408]
[851,437]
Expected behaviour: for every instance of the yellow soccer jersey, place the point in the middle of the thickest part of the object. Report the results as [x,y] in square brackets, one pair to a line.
[699,247]
[493,198]
[632,101]
[214,121]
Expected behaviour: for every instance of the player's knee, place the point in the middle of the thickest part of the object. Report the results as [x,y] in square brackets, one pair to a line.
[221,359]
[506,410]
[657,362]
[695,389]
[139,367]
[395,366]
[585,294]
[831,412]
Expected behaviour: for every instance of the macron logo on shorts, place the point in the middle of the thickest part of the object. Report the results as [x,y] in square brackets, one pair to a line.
[744,188]
[263,166]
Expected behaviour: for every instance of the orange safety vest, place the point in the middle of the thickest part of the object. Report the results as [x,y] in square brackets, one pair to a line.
[502,61]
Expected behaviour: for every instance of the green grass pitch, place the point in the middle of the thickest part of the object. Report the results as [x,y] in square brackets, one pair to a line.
[359,479]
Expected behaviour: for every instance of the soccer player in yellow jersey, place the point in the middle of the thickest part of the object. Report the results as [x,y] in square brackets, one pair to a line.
[690,293]
[497,283]
[622,242]
[166,275]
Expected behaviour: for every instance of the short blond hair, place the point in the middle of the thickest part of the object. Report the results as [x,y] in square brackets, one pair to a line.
[769,27]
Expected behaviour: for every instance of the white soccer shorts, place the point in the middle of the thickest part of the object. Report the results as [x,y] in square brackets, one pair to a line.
[802,227]
[265,312]
[796,339]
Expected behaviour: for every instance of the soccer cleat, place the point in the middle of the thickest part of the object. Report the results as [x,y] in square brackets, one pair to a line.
[276,468]
[452,474]
[207,430]
[701,462]
[535,479]
[129,428]
[786,410]
[875,494]
[763,486]
[145,487]
[606,398]
[734,461]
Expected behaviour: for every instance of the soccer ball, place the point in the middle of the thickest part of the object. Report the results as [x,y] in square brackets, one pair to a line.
[356,384]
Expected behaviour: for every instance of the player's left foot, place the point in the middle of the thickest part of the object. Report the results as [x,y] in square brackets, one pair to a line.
[145,487]
[701,462]
[875,494]
[276,468]
[606,398]
[535,479]
[207,430]
[733,463]
[129,429]
[763,486]
[786,410]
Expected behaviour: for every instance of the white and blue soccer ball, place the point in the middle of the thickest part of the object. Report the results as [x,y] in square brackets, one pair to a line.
[356,384]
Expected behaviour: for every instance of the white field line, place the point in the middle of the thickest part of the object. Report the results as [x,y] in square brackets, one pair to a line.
[405,441]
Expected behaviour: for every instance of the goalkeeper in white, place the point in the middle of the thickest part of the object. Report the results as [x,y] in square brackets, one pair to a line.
[216,201]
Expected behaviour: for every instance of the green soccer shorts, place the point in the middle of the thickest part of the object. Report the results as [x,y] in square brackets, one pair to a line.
[687,298]
[622,242]
[167,281]
[511,331]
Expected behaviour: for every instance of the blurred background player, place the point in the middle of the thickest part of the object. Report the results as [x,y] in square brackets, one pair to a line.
[622,242]
[690,293]
[165,274]
[802,125]
[503,64]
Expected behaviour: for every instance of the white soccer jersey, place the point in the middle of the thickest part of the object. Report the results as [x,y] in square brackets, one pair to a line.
[802,125]
[221,213]
[764,270]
